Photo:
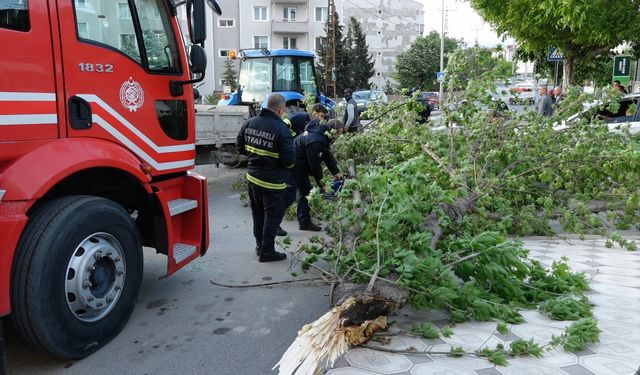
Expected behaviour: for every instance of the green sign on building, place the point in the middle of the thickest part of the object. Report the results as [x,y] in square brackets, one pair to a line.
[621,69]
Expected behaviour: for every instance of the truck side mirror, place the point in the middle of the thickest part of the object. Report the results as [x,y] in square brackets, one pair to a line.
[197,21]
[198,59]
[198,65]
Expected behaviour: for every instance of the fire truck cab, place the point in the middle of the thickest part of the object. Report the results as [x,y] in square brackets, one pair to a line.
[97,144]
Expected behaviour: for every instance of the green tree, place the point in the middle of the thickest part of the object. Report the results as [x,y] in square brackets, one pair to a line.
[478,61]
[230,75]
[419,64]
[580,29]
[361,66]
[325,51]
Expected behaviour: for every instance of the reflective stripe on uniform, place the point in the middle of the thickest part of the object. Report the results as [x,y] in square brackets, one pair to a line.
[261,152]
[264,184]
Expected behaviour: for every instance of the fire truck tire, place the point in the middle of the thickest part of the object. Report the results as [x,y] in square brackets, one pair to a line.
[76,276]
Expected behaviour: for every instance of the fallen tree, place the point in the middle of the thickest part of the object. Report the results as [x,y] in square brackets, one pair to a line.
[433,215]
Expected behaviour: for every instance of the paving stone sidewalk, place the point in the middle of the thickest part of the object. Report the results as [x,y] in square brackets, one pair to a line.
[614,276]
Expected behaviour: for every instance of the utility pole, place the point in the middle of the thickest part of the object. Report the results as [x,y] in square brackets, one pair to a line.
[330,55]
[442,52]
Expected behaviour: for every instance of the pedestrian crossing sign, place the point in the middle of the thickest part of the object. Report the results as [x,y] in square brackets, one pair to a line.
[555,55]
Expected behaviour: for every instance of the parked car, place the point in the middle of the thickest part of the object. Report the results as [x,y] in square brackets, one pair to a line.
[364,98]
[522,93]
[431,98]
[625,115]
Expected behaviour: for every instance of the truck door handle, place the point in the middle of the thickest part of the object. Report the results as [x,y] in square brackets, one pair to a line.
[79,113]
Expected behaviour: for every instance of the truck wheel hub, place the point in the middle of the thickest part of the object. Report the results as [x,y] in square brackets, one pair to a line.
[95,277]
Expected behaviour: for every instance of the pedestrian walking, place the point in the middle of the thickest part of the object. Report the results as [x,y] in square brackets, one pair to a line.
[545,104]
[312,149]
[268,143]
[352,113]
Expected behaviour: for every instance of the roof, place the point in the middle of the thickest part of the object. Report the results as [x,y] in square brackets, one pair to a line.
[251,53]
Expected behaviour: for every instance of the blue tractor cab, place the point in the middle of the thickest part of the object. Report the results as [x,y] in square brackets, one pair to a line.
[290,73]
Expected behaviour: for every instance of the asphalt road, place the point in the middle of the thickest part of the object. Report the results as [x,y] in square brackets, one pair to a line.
[185,325]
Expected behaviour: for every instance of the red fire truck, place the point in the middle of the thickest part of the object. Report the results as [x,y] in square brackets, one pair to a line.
[97,145]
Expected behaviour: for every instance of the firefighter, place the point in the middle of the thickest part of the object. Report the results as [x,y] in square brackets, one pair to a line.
[268,143]
[312,148]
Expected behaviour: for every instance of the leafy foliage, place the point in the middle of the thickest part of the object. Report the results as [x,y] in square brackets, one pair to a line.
[324,62]
[434,207]
[418,65]
[230,75]
[580,29]
[361,61]
[427,330]
[578,335]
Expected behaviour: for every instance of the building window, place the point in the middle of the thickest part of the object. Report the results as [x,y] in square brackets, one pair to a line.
[128,43]
[226,23]
[379,32]
[123,11]
[290,14]
[322,13]
[321,42]
[379,53]
[83,30]
[380,11]
[260,14]
[224,53]
[378,74]
[260,42]
[81,3]
[289,43]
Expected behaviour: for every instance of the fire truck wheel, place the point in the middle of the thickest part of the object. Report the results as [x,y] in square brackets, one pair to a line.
[76,275]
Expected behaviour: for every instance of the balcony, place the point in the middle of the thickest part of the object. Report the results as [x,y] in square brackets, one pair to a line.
[284,26]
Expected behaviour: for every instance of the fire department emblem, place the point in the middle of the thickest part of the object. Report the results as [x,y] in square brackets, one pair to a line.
[131,95]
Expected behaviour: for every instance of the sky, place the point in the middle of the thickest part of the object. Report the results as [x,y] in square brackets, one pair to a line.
[463,22]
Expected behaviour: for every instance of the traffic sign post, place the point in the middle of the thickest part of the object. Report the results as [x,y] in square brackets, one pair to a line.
[621,69]
[555,55]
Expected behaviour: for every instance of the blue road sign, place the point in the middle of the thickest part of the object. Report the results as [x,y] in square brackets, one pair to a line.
[555,55]
[440,76]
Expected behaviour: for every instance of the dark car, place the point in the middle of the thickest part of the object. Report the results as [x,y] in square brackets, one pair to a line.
[432,98]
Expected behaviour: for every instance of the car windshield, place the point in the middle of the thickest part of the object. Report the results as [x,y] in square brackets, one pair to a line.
[363,95]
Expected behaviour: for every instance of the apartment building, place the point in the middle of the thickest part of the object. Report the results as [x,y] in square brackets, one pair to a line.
[390,25]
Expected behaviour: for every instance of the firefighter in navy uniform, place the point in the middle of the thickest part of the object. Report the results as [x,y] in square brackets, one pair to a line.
[268,143]
[312,148]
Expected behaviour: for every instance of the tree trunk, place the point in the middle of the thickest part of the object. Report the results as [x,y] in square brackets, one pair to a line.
[567,68]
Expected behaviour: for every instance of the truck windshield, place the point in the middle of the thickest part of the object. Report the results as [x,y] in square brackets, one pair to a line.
[285,79]
[307,76]
[116,27]
[255,79]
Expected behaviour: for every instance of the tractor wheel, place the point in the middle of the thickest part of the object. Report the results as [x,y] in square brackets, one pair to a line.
[76,276]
